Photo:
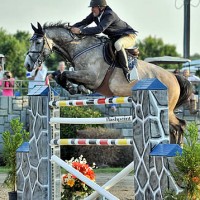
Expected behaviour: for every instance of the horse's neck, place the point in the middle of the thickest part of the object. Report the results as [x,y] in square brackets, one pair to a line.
[65,43]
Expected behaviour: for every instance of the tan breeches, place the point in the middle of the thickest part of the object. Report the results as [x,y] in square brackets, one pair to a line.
[125,42]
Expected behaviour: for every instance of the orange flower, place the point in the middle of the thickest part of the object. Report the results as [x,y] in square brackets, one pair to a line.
[85,169]
[70,182]
[196,179]
[64,176]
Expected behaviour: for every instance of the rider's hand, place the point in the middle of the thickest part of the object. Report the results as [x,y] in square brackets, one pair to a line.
[75,30]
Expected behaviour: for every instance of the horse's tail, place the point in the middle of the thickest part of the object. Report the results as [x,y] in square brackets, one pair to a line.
[185,90]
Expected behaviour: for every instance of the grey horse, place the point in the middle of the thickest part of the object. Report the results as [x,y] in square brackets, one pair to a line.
[86,54]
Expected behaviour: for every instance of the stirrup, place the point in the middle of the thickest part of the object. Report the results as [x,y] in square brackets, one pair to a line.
[127,76]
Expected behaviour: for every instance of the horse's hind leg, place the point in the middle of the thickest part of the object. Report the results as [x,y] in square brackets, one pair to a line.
[177,127]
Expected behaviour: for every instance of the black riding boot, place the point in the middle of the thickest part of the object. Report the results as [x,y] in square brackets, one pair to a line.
[122,59]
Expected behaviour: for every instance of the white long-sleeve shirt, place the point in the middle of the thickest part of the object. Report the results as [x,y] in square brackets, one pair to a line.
[39,78]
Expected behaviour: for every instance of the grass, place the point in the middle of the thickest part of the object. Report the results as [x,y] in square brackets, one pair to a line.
[107,170]
[3,170]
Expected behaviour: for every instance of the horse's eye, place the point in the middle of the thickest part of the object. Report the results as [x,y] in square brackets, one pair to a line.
[39,41]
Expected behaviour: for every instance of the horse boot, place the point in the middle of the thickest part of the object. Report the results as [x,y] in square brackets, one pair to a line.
[71,88]
[83,90]
[122,59]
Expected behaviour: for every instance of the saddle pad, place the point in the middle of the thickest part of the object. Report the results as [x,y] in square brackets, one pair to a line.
[107,54]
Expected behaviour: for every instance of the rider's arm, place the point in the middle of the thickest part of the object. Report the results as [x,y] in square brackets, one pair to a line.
[88,20]
[106,20]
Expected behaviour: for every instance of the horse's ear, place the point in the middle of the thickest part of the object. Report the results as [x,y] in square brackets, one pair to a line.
[33,27]
[39,27]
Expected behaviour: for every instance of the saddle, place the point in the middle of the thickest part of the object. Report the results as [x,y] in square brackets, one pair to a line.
[110,55]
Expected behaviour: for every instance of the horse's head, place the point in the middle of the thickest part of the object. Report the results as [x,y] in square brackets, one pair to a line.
[40,48]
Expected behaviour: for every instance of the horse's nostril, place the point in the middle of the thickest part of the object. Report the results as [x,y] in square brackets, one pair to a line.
[28,67]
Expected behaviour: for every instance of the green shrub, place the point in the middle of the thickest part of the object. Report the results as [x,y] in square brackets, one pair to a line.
[187,173]
[70,130]
[103,156]
[11,142]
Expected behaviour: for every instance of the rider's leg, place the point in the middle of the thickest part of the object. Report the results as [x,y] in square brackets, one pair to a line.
[120,45]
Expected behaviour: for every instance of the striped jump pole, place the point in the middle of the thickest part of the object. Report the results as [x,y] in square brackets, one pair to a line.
[97,142]
[103,120]
[88,102]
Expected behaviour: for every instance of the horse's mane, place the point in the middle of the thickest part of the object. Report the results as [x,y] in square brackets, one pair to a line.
[64,25]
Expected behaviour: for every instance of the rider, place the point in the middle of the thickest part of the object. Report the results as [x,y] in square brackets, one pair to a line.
[110,24]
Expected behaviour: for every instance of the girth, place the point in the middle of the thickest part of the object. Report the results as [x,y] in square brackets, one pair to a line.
[104,87]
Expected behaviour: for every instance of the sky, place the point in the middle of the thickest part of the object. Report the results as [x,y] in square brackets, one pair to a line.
[159,18]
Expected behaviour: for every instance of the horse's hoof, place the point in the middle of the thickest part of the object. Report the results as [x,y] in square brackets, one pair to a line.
[176,134]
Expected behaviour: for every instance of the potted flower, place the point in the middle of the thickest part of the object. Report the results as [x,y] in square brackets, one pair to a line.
[73,188]
[11,141]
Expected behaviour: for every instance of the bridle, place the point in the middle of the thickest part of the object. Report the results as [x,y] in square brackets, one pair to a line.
[41,53]
[46,46]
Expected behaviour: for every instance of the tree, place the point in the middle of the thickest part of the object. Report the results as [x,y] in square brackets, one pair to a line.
[196,56]
[23,37]
[53,60]
[155,47]
[14,48]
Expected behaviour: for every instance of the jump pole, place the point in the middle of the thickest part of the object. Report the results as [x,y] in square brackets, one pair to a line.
[83,178]
[103,120]
[94,142]
[88,102]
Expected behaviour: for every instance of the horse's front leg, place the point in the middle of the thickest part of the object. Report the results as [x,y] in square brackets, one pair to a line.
[82,77]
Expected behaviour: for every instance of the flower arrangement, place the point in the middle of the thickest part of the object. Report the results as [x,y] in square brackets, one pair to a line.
[73,188]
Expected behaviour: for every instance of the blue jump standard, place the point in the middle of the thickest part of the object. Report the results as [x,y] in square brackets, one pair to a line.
[168,150]
[23,148]
[149,84]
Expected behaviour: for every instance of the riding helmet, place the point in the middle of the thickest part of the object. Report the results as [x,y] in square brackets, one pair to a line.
[98,3]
